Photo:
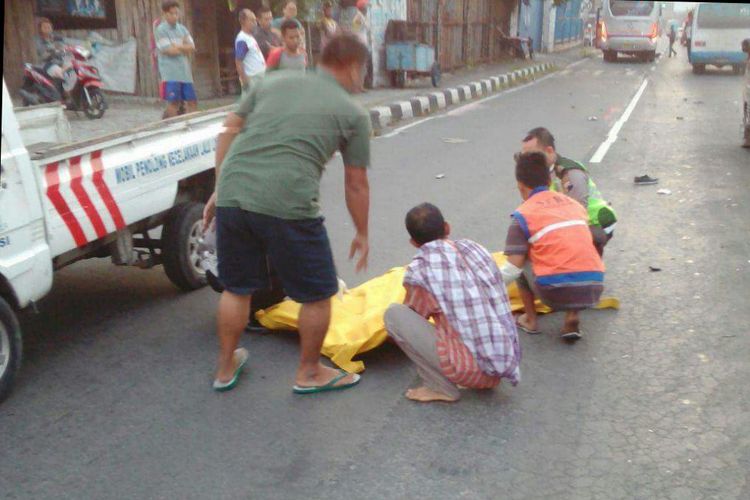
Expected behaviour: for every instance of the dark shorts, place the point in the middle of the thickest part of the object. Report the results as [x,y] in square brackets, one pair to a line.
[178,91]
[299,252]
[568,298]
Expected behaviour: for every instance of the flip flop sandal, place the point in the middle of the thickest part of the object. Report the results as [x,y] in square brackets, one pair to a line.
[571,335]
[525,329]
[330,386]
[242,355]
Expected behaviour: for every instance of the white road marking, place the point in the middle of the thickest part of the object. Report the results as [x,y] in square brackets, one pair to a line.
[397,131]
[612,136]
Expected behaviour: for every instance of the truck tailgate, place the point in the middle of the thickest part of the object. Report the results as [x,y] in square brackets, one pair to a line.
[93,188]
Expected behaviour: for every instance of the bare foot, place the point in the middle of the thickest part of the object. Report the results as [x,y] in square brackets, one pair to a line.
[426,395]
[321,376]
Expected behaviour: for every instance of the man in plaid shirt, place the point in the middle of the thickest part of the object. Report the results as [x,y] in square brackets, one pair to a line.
[473,342]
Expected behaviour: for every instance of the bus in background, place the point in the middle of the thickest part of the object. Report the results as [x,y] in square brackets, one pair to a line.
[629,28]
[717,33]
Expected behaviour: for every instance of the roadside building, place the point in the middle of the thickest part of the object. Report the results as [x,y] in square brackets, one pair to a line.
[123,20]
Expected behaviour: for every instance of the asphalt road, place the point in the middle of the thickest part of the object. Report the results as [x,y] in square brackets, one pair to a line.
[114,398]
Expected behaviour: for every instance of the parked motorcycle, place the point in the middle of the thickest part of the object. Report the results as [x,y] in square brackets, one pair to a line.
[81,81]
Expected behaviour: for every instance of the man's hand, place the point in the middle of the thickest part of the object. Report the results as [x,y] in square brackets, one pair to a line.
[209,211]
[360,245]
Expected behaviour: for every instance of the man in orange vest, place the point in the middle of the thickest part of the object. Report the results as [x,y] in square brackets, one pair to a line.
[550,250]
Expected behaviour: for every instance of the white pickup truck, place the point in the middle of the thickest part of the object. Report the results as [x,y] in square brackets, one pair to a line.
[97,198]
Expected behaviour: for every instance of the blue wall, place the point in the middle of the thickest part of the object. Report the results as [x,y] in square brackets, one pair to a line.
[530,22]
[568,22]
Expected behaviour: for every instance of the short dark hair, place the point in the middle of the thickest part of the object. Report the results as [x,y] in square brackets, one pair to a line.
[263,9]
[425,223]
[289,24]
[532,170]
[543,136]
[167,5]
[343,50]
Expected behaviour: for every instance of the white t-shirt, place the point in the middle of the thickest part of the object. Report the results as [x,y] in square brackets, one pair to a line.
[247,50]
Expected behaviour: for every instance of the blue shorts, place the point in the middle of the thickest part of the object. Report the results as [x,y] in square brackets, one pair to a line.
[178,91]
[299,251]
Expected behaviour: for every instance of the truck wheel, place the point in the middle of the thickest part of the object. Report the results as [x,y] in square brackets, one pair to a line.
[699,69]
[11,348]
[179,246]
[610,56]
[746,143]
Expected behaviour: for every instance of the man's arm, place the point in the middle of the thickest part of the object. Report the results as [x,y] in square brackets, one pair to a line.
[241,71]
[240,51]
[188,45]
[232,126]
[357,189]
[516,250]
[512,268]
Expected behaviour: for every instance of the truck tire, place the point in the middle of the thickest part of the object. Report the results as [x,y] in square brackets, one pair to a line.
[11,348]
[179,246]
[610,56]
[699,69]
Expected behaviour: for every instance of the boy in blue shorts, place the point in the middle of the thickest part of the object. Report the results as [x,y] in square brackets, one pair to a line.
[174,44]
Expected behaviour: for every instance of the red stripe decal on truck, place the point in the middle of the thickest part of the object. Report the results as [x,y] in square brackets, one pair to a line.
[104,192]
[52,177]
[76,184]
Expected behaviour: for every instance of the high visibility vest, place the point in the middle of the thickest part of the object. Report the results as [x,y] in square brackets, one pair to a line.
[561,248]
[596,200]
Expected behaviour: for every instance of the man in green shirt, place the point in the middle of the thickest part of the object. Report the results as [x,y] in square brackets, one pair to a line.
[270,157]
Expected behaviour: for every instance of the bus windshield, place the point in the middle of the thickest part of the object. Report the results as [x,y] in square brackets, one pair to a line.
[630,9]
[723,16]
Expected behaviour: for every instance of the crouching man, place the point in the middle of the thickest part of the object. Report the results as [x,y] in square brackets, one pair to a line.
[473,342]
[550,250]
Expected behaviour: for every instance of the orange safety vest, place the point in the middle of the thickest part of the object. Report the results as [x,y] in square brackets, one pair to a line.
[561,248]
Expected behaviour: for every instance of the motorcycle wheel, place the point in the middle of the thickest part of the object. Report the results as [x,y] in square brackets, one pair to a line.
[94,109]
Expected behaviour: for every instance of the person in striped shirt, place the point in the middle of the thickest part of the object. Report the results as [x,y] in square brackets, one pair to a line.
[473,342]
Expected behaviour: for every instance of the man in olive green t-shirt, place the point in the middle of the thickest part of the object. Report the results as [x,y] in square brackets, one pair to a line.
[270,157]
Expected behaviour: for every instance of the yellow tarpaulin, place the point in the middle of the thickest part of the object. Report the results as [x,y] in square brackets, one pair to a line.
[357,318]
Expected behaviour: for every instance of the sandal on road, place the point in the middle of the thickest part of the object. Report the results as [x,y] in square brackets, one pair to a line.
[575,335]
[330,386]
[240,356]
[523,327]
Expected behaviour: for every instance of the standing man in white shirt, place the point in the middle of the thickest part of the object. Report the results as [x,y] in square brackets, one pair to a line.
[251,65]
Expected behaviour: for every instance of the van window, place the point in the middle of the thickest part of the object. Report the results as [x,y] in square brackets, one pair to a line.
[723,16]
[623,8]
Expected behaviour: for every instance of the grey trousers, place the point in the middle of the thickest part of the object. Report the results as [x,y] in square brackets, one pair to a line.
[416,337]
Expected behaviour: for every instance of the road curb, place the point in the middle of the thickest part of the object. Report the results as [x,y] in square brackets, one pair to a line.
[384,116]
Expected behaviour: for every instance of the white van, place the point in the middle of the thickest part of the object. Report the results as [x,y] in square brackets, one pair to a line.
[629,28]
[717,33]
